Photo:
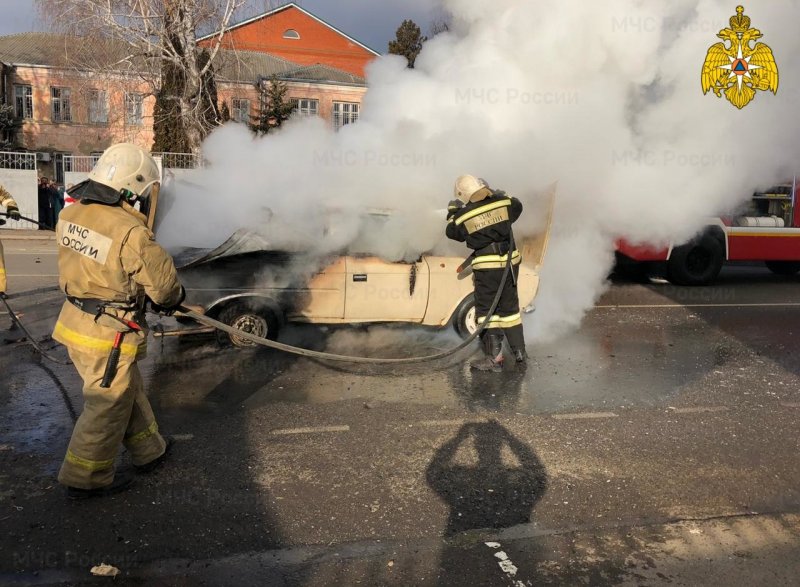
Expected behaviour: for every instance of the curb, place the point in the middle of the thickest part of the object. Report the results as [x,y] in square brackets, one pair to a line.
[25,237]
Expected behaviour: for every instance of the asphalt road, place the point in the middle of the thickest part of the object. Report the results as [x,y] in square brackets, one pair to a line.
[656,445]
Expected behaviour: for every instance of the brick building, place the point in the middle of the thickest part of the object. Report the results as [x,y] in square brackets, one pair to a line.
[295,34]
[69,103]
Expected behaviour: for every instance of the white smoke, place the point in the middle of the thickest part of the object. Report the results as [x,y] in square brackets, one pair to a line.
[602,97]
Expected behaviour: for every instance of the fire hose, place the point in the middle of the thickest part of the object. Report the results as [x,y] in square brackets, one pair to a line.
[31,220]
[32,341]
[203,319]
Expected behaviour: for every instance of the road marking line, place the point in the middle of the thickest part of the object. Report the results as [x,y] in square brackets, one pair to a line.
[182,437]
[506,564]
[450,422]
[585,416]
[790,404]
[288,431]
[699,410]
[765,305]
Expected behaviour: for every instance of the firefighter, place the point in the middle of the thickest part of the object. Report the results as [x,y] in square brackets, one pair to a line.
[482,217]
[109,266]
[13,212]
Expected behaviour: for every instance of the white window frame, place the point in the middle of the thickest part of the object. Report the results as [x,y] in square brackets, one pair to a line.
[240,110]
[291,34]
[306,106]
[134,109]
[98,106]
[23,102]
[61,99]
[345,113]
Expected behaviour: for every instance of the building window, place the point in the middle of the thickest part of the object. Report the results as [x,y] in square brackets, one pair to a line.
[240,110]
[23,102]
[133,109]
[62,104]
[344,113]
[291,34]
[305,106]
[98,107]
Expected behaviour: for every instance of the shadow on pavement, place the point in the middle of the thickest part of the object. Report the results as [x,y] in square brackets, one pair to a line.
[490,480]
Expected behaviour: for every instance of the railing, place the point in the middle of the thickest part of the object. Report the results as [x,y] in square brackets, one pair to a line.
[79,163]
[179,160]
[21,161]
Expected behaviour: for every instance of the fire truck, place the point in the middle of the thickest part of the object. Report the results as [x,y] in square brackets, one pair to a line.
[767,229]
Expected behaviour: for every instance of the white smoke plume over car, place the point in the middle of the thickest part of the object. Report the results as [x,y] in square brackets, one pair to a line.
[603,98]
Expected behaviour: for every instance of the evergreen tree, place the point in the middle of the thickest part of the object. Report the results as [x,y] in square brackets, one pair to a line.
[275,109]
[408,42]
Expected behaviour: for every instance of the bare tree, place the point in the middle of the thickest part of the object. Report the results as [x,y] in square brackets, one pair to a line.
[136,37]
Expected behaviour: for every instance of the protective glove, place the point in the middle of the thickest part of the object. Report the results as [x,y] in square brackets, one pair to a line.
[13,213]
[453,207]
[168,310]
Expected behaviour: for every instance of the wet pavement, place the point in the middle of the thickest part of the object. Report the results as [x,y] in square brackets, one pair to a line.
[655,445]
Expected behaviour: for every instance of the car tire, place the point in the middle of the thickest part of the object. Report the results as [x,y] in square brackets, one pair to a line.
[785,268]
[696,263]
[464,320]
[250,316]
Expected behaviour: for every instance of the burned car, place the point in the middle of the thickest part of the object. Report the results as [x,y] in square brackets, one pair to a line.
[253,288]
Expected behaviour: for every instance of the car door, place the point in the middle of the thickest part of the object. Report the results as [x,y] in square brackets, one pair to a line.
[379,291]
[323,298]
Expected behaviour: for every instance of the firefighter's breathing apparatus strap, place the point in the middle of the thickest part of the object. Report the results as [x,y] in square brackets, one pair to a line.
[347,359]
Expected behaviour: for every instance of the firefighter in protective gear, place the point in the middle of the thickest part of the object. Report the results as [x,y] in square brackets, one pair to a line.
[109,265]
[13,212]
[482,217]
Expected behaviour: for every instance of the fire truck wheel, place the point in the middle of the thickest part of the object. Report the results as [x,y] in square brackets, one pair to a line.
[787,268]
[697,263]
[251,317]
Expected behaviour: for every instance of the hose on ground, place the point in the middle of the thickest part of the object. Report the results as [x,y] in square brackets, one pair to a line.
[30,339]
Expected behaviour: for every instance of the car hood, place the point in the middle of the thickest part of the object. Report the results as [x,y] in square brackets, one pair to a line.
[240,242]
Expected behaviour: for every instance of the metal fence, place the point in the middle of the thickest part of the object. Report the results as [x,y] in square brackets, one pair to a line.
[21,161]
[79,163]
[179,160]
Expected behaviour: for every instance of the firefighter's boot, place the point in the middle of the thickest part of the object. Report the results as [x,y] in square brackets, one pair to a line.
[122,481]
[493,359]
[520,356]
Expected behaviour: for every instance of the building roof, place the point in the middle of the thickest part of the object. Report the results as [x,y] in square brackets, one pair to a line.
[301,9]
[248,66]
[59,50]
[320,73]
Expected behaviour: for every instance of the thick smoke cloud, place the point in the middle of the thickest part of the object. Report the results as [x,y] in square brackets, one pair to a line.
[603,98]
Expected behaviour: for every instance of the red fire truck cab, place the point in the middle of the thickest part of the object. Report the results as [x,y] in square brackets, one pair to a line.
[768,230]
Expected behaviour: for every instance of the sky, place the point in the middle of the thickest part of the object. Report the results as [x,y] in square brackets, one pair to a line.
[372,23]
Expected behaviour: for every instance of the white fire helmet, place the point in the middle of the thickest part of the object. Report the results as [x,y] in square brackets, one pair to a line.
[122,170]
[469,188]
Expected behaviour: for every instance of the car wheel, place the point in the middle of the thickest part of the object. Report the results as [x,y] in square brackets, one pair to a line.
[251,317]
[787,268]
[697,263]
[465,320]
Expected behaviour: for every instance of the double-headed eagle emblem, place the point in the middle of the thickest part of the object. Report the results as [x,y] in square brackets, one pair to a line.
[741,68]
